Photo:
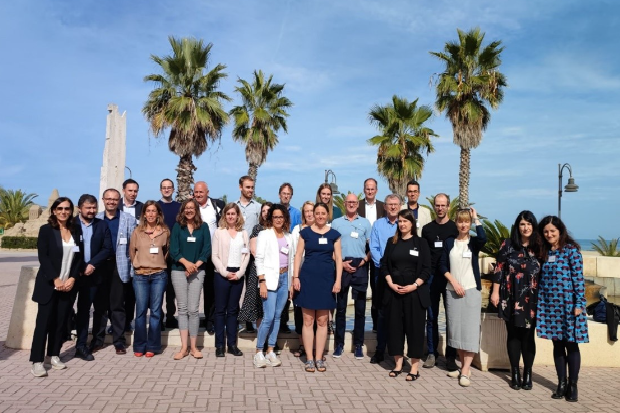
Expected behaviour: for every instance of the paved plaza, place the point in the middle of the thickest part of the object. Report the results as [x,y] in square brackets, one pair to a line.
[114,383]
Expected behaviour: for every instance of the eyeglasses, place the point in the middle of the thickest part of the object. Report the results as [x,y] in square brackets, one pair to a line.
[441,206]
[167,187]
[393,205]
[279,217]
[351,202]
[63,208]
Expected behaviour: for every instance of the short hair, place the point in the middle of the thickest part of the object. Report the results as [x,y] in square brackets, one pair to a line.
[130,181]
[371,179]
[164,180]
[408,215]
[444,195]
[52,220]
[303,217]
[181,215]
[239,224]
[463,215]
[263,221]
[245,178]
[91,199]
[413,182]
[284,185]
[160,216]
[393,196]
[113,190]
[287,218]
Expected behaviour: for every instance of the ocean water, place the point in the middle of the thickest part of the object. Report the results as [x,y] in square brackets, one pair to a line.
[586,243]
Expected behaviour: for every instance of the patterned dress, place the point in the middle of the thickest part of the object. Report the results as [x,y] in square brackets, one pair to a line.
[561,290]
[517,273]
[252,307]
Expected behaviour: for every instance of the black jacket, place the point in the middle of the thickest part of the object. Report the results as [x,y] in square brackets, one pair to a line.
[100,248]
[475,245]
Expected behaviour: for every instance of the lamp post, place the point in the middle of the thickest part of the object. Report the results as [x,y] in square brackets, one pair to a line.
[129,172]
[570,186]
[332,184]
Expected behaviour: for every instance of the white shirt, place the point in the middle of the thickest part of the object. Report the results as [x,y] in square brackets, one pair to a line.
[207,213]
[461,267]
[234,252]
[371,212]
[67,259]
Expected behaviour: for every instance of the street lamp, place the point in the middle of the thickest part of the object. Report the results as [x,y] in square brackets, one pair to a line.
[129,172]
[570,186]
[332,184]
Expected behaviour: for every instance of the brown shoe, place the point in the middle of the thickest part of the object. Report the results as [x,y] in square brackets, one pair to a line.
[120,351]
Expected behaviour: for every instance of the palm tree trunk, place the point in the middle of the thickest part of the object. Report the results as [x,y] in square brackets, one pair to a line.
[253,171]
[185,177]
[464,178]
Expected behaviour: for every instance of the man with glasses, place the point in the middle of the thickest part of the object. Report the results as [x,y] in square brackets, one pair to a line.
[382,230]
[170,208]
[119,272]
[435,233]
[422,215]
[355,234]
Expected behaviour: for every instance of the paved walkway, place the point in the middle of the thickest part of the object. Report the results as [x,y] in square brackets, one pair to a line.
[127,384]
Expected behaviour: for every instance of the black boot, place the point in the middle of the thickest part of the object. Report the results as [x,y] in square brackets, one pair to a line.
[527,379]
[560,392]
[515,383]
[571,392]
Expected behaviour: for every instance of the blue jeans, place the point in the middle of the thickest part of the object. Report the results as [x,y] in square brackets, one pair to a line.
[272,309]
[149,290]
[359,301]
[227,295]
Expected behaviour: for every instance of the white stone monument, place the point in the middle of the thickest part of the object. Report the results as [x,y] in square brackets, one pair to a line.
[113,168]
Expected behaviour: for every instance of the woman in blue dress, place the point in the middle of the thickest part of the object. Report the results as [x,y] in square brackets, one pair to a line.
[562,303]
[317,282]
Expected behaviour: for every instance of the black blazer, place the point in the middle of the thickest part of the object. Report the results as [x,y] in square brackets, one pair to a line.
[423,269]
[361,209]
[139,206]
[100,248]
[49,248]
[219,206]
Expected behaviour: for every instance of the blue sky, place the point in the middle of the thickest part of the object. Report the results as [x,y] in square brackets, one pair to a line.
[64,61]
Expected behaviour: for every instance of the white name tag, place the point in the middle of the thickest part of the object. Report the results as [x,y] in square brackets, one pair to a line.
[284,250]
[466,254]
[191,239]
[153,250]
[417,224]
[413,252]
[122,241]
[323,241]
[438,244]
[551,258]
[244,250]
[81,238]
[76,248]
[354,234]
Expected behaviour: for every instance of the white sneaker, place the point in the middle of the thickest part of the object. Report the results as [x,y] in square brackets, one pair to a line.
[464,381]
[38,370]
[260,361]
[273,360]
[57,364]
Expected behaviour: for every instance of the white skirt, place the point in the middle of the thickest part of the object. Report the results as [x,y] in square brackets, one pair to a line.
[463,319]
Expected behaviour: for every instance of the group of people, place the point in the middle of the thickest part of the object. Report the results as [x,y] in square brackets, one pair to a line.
[123,261]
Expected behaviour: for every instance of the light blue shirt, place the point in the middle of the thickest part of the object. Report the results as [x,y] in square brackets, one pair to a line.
[251,214]
[382,230]
[87,234]
[295,216]
[354,235]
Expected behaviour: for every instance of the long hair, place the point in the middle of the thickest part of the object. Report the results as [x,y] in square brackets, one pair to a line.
[239,224]
[303,217]
[160,216]
[287,219]
[53,221]
[408,215]
[330,206]
[263,221]
[565,237]
[534,243]
[181,215]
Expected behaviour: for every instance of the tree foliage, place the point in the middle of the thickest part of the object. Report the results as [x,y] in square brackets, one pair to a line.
[340,199]
[14,206]
[605,249]
[496,234]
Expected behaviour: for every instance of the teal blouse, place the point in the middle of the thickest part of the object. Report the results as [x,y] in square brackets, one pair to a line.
[191,251]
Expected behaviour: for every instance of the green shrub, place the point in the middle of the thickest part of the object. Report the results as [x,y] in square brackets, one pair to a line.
[19,242]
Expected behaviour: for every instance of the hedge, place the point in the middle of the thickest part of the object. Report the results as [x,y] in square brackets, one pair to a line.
[19,242]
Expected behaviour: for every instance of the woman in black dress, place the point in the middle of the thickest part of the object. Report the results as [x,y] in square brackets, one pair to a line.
[406,267]
[515,294]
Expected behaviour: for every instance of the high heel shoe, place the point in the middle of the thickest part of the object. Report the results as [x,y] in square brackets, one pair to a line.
[515,375]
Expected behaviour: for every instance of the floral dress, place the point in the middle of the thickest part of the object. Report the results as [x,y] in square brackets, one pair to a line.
[252,307]
[517,273]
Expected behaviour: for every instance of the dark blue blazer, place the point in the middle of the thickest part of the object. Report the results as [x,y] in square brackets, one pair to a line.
[139,206]
[475,245]
[100,248]
[49,249]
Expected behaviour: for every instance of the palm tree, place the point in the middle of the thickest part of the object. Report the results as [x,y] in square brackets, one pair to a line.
[605,249]
[14,206]
[261,115]
[469,85]
[496,234]
[403,141]
[340,200]
[452,208]
[187,101]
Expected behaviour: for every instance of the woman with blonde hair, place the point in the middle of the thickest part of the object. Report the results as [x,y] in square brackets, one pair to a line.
[324,194]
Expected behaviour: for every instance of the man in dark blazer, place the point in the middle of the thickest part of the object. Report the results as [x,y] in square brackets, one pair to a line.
[96,247]
[371,209]
[211,212]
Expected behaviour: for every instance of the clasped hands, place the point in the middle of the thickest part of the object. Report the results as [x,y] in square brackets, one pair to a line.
[64,286]
[403,289]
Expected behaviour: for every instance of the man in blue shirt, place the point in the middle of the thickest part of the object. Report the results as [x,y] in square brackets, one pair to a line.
[170,208]
[250,208]
[382,230]
[355,234]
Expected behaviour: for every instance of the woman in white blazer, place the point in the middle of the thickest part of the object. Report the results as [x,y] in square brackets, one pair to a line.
[274,266]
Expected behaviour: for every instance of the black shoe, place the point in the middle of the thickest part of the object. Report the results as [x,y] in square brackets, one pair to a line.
[219,352]
[527,380]
[93,348]
[84,353]
[109,330]
[210,327]
[162,326]
[128,328]
[572,394]
[560,392]
[515,382]
[377,358]
[285,330]
[234,350]
[171,323]
[249,327]
[451,364]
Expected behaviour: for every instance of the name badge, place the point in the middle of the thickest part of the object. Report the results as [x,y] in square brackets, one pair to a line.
[284,250]
[191,239]
[323,241]
[153,250]
[467,254]
[81,238]
[244,250]
[417,224]
[551,258]
[122,241]
[354,234]
[75,248]
[438,244]
[413,252]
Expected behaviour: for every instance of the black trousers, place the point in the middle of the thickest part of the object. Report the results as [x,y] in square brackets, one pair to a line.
[170,297]
[374,309]
[88,291]
[50,326]
[209,294]
[406,319]
[110,302]
[130,305]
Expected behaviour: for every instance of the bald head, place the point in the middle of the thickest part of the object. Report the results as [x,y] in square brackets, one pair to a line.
[351,204]
[201,192]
